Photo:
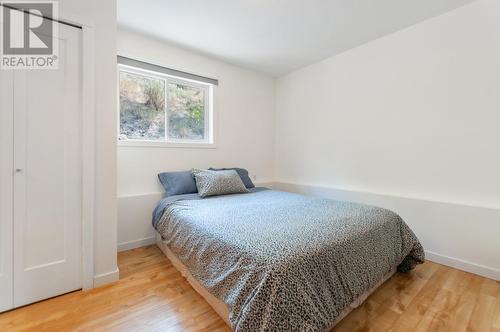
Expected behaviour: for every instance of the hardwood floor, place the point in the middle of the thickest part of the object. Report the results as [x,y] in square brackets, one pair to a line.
[152,296]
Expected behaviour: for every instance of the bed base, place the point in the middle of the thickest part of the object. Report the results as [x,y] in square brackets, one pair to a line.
[221,308]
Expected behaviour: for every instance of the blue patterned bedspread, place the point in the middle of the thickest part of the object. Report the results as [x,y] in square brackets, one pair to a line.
[282,261]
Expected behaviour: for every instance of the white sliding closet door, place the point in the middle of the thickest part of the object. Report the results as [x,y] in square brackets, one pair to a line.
[48,175]
[6,172]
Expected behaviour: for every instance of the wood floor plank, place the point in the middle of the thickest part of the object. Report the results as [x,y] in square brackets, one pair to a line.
[490,287]
[421,302]
[496,314]
[152,295]
[482,317]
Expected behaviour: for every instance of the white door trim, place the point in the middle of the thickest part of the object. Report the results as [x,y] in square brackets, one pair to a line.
[6,187]
[88,145]
[88,156]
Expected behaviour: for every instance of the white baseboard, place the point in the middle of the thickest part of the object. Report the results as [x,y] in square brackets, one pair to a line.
[106,278]
[136,243]
[460,264]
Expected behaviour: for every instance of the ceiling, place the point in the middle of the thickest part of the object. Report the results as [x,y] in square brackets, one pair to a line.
[274,36]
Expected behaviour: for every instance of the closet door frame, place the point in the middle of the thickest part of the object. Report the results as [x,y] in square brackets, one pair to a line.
[88,148]
[88,143]
[6,190]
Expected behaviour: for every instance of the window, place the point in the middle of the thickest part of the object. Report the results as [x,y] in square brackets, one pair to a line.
[159,108]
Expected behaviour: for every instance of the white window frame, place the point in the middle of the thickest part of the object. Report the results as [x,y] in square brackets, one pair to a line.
[207,142]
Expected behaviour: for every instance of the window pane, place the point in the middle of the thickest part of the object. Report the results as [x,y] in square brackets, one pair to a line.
[142,107]
[186,112]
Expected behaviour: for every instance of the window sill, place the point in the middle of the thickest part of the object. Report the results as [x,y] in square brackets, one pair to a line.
[159,144]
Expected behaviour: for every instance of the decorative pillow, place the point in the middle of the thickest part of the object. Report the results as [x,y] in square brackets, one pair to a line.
[243,173]
[211,183]
[178,183]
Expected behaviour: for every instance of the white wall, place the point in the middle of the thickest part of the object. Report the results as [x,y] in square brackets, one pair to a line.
[408,122]
[415,114]
[102,15]
[244,107]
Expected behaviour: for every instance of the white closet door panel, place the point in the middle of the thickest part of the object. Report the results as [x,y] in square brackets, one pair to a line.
[6,172]
[47,189]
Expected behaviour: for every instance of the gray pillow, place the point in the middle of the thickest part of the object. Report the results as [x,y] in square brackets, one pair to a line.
[211,183]
[178,183]
[243,173]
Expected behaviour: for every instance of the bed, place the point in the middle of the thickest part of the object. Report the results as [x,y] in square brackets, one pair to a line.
[277,261]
